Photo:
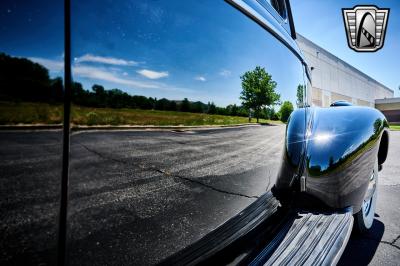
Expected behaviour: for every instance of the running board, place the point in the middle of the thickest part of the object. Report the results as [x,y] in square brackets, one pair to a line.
[309,239]
[226,241]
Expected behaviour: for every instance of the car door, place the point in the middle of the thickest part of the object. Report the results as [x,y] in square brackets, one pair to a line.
[177,123]
[142,194]
[31,130]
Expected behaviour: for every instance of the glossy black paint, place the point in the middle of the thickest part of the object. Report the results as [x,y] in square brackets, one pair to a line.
[341,146]
[192,38]
[332,148]
[340,103]
[293,151]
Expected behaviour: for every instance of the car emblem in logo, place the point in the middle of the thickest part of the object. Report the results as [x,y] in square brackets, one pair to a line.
[366,27]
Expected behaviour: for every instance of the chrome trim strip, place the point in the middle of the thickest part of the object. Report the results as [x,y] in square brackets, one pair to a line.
[346,240]
[283,21]
[266,20]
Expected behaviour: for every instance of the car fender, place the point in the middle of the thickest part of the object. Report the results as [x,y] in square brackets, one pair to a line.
[338,151]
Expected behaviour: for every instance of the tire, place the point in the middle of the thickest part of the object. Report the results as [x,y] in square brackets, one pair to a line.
[364,219]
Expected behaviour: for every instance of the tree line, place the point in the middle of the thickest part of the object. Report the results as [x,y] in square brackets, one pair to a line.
[23,80]
[115,98]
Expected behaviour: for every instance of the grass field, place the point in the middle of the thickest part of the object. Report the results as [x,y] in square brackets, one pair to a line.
[395,127]
[40,113]
[30,113]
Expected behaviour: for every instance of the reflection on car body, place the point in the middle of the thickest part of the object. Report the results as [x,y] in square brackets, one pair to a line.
[151,179]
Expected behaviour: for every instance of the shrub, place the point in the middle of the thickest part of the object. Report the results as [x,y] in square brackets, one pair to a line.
[93,119]
[286,110]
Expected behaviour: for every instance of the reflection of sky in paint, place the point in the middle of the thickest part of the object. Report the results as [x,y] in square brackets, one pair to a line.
[104,28]
[32,28]
[172,49]
[339,135]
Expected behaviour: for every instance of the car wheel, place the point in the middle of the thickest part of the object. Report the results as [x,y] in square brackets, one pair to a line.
[365,217]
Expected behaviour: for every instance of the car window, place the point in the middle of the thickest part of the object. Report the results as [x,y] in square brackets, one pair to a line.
[279,6]
[163,151]
[31,115]
[279,10]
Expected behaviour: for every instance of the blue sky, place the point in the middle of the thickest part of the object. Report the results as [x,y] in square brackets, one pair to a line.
[139,47]
[322,22]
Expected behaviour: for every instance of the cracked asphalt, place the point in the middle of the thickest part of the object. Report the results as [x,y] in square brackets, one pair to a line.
[137,197]
[140,196]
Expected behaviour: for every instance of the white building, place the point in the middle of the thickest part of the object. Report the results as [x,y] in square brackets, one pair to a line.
[333,79]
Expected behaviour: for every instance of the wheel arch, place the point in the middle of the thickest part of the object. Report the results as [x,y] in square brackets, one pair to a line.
[383,147]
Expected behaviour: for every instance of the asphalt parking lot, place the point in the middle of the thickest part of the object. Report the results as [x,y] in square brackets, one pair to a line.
[157,192]
[139,196]
[135,196]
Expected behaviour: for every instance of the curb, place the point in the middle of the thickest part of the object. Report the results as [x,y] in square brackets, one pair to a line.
[161,128]
[31,127]
[124,127]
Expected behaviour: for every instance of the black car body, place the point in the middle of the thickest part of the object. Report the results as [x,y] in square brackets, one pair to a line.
[111,194]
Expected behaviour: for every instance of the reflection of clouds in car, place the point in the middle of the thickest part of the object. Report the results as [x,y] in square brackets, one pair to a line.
[112,74]
[53,65]
[200,78]
[151,74]
[105,60]
[99,73]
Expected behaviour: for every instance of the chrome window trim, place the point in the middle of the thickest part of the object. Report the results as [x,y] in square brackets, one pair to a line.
[266,20]
[284,21]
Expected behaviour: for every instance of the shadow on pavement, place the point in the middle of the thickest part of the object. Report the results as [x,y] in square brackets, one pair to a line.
[361,248]
[269,124]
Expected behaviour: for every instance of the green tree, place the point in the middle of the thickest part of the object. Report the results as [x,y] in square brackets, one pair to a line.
[100,95]
[162,104]
[270,113]
[258,90]
[211,108]
[197,107]
[185,105]
[57,89]
[234,110]
[286,110]
[377,126]
[300,96]
[22,79]
[172,106]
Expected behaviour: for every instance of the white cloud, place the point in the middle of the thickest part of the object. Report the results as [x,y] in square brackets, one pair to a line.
[51,64]
[103,74]
[200,78]
[153,74]
[109,74]
[105,60]
[225,73]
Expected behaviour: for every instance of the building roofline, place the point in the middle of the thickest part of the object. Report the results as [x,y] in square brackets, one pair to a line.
[301,38]
[387,100]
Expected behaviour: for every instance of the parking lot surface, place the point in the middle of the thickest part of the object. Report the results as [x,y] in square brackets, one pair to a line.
[139,196]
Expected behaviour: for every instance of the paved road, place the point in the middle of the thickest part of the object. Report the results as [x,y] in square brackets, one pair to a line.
[30,169]
[139,196]
[135,196]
